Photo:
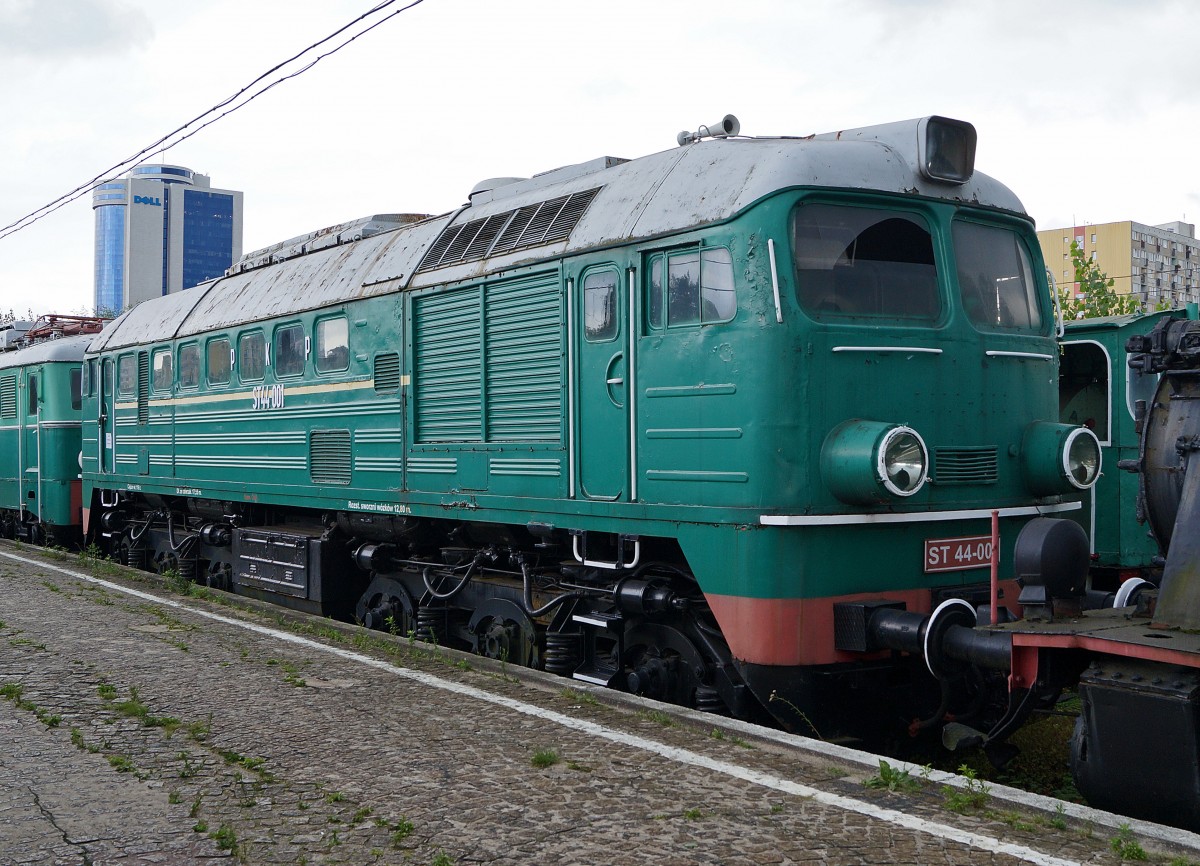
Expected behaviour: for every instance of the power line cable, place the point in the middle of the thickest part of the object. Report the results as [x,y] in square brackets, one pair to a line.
[180,134]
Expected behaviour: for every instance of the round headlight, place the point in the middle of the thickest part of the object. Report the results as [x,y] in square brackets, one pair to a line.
[870,462]
[903,461]
[1081,458]
[1059,458]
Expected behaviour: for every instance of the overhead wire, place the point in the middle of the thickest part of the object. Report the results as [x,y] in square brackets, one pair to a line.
[230,104]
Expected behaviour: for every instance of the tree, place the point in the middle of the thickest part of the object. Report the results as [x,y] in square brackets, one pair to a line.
[1096,287]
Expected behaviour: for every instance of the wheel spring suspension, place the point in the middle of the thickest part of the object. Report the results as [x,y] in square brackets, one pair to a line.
[187,568]
[135,555]
[708,700]
[433,624]
[564,652]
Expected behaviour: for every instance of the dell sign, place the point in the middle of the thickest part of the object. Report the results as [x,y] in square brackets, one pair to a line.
[145,199]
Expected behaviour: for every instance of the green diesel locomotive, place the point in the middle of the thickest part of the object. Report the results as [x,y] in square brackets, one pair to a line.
[644,423]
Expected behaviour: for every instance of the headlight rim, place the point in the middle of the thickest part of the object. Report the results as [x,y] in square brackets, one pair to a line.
[881,472]
[1066,457]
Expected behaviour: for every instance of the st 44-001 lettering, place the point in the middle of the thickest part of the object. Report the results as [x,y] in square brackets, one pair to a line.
[954,554]
[268,397]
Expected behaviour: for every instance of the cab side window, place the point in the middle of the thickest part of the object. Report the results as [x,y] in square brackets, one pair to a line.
[692,286]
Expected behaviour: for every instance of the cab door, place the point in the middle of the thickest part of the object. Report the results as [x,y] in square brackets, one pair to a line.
[603,385]
[107,421]
[29,411]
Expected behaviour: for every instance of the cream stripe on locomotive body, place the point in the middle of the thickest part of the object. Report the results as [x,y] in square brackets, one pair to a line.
[642,422]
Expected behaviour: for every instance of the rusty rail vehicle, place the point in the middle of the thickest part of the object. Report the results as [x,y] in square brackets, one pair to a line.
[670,424]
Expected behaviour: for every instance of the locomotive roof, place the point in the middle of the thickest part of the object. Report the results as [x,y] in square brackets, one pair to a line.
[602,202]
[62,349]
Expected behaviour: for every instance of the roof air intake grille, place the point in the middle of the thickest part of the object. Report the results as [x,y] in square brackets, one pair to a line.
[530,226]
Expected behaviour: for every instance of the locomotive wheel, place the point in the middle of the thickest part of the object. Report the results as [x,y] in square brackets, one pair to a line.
[503,631]
[661,662]
[387,606]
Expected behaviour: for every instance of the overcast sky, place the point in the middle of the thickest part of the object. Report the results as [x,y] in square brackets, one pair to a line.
[1089,112]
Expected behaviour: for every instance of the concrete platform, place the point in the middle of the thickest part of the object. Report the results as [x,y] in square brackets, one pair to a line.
[144,726]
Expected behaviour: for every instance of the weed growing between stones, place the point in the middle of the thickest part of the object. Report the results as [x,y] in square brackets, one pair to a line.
[1125,846]
[544,758]
[893,779]
[971,797]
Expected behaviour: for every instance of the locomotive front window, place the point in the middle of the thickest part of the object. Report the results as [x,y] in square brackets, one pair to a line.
[995,277]
[220,359]
[698,289]
[289,351]
[251,356]
[600,305]
[162,370]
[333,345]
[865,264]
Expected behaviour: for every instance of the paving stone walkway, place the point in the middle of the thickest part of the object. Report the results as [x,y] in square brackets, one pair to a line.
[158,728]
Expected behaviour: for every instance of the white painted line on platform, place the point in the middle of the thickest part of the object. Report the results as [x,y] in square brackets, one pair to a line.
[671,753]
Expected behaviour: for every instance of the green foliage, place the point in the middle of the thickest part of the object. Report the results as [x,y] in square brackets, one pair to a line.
[892,779]
[544,758]
[1125,846]
[1096,287]
[972,796]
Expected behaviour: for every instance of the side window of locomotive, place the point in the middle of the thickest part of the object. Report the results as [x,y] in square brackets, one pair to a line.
[864,264]
[995,277]
[220,360]
[189,366]
[76,384]
[162,371]
[251,356]
[1084,392]
[87,374]
[600,322]
[33,396]
[333,345]
[289,350]
[697,289]
[126,376]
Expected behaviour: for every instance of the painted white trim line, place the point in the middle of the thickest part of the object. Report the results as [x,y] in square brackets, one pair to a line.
[995,353]
[911,517]
[775,280]
[922,350]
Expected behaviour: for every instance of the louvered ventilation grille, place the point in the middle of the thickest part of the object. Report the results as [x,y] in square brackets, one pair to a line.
[524,362]
[529,226]
[387,373]
[143,385]
[8,397]
[329,457]
[964,465]
[449,362]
